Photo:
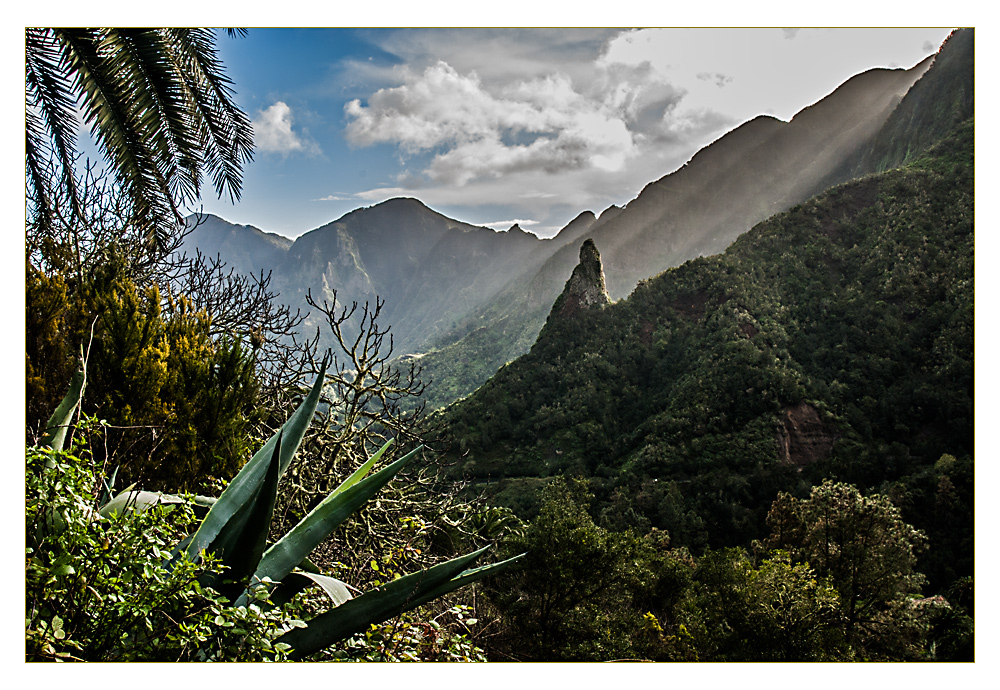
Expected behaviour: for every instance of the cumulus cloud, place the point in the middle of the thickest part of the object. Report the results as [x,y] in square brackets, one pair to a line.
[272,131]
[478,130]
[583,118]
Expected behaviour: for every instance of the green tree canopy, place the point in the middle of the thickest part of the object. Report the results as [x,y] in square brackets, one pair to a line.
[577,594]
[864,547]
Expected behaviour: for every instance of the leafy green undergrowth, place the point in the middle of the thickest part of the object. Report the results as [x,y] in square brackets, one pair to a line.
[97,589]
[141,577]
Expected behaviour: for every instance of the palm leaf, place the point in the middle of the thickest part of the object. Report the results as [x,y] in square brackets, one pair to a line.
[158,104]
[49,108]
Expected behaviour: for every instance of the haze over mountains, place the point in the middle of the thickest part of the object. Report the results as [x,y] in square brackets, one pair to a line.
[466,299]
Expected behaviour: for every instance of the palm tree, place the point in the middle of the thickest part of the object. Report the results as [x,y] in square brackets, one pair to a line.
[159,106]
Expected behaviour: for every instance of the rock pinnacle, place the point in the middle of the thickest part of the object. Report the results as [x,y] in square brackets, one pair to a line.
[585,289]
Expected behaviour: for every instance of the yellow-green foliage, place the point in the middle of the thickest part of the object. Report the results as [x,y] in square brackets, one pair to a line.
[48,362]
[177,401]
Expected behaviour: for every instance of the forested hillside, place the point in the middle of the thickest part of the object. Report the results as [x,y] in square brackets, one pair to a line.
[796,410]
[834,340]
[760,168]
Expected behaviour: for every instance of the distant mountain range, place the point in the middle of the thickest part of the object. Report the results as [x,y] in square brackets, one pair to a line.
[465,299]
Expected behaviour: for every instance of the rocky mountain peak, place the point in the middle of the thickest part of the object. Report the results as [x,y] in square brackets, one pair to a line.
[585,288]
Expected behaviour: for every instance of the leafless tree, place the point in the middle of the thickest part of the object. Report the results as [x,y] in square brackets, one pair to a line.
[362,396]
[245,307]
[363,406]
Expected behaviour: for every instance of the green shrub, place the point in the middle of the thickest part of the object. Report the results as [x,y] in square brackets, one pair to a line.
[98,590]
[179,404]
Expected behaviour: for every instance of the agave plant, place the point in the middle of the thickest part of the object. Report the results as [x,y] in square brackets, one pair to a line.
[236,525]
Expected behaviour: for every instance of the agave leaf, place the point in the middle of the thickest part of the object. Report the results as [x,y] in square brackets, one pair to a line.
[246,483]
[203,504]
[57,427]
[108,486]
[138,501]
[363,471]
[292,585]
[337,590]
[466,577]
[289,551]
[381,604]
[294,429]
[241,542]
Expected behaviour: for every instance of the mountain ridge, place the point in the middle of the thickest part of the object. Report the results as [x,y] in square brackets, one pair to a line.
[833,339]
[456,293]
[647,235]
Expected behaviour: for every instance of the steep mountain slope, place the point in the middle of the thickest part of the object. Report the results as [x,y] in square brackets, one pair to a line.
[244,248]
[462,359]
[430,270]
[762,167]
[456,276]
[932,108]
[834,339]
[726,189]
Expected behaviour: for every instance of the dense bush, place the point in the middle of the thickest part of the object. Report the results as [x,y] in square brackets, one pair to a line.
[179,404]
[97,589]
[833,582]
[576,596]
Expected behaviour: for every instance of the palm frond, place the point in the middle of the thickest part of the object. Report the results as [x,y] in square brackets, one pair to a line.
[226,132]
[157,102]
[49,119]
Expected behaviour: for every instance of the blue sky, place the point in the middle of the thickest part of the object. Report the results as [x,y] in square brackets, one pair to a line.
[496,126]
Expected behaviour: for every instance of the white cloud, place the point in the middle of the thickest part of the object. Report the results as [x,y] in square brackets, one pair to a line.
[337,197]
[479,130]
[583,119]
[272,131]
[505,225]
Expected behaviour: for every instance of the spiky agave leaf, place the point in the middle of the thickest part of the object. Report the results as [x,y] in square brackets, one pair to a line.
[289,551]
[246,483]
[337,590]
[138,501]
[57,427]
[386,601]
[241,542]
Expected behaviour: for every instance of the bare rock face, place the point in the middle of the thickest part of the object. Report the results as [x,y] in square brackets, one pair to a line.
[585,289]
[803,438]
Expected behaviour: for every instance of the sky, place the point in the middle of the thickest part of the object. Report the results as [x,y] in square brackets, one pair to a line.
[501,126]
